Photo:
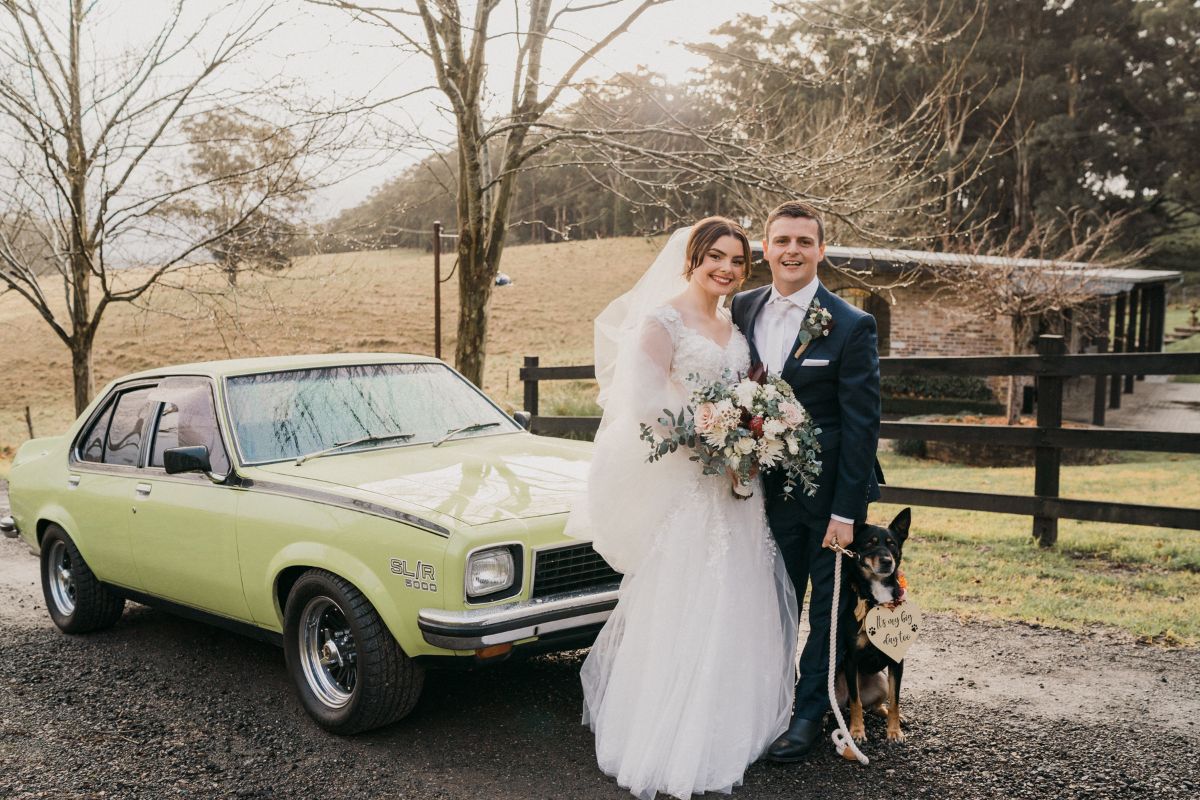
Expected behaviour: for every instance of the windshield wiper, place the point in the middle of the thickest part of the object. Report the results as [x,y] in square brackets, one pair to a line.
[371,439]
[478,426]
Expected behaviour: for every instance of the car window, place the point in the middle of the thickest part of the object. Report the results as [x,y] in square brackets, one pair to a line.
[281,415]
[93,442]
[188,419]
[128,424]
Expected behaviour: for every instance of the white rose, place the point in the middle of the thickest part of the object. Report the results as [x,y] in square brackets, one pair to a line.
[770,392]
[744,393]
[745,445]
[772,428]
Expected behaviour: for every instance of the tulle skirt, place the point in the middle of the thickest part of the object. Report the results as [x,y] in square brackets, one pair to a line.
[692,676]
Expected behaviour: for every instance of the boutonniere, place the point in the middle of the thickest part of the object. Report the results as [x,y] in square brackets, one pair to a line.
[818,322]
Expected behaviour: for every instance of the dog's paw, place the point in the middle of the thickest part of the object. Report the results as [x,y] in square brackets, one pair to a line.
[858,733]
[879,710]
[895,735]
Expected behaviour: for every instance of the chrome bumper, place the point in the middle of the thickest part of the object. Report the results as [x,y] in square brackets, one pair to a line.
[8,527]
[483,627]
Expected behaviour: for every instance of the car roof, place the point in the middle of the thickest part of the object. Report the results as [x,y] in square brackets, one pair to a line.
[250,366]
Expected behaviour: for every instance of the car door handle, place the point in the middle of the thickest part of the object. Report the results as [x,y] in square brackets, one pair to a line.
[143,490]
[72,481]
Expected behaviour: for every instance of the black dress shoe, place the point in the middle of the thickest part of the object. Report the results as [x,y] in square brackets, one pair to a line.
[795,743]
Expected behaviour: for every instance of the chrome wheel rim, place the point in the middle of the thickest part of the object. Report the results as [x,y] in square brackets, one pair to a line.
[328,652]
[62,578]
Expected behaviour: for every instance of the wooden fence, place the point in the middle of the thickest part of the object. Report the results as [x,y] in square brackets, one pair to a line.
[1050,367]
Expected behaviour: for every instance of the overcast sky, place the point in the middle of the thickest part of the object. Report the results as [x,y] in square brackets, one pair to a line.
[333,56]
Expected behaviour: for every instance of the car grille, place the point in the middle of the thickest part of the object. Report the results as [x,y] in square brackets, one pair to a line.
[566,569]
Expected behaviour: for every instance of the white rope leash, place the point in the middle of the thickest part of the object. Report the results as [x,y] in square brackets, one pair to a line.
[842,739]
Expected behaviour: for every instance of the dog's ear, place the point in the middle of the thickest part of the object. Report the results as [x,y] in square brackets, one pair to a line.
[899,525]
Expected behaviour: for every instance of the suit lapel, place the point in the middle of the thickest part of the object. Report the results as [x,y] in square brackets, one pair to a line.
[757,301]
[792,364]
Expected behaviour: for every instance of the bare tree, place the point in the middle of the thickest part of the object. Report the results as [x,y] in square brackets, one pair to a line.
[90,156]
[455,40]
[249,183]
[781,113]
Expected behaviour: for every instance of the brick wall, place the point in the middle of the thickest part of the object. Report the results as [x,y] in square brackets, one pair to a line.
[925,324]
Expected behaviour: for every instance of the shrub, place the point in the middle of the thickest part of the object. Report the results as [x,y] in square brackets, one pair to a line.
[913,448]
[936,387]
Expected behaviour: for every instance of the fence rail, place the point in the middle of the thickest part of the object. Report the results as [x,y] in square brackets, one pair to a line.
[1051,366]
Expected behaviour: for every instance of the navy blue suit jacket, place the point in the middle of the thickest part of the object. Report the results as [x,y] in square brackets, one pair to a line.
[842,397]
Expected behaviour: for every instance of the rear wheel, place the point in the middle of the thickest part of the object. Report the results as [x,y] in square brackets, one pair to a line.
[77,601]
[349,672]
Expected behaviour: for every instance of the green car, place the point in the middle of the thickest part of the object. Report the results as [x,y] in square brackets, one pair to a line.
[374,514]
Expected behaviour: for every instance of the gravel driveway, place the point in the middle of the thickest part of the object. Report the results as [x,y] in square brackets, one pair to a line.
[163,707]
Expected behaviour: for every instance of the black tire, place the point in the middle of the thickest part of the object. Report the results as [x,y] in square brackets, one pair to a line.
[361,679]
[75,598]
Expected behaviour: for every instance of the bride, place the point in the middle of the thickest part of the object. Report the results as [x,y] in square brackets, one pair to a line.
[692,676]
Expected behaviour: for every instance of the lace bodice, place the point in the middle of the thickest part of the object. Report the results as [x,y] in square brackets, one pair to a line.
[696,354]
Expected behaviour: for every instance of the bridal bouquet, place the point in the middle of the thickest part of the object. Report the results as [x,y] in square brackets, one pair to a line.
[743,426]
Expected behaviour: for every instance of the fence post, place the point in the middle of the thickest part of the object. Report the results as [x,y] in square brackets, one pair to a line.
[1135,299]
[1047,460]
[1118,346]
[531,385]
[1100,382]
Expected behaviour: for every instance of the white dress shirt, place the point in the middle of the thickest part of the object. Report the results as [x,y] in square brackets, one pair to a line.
[779,323]
[776,329]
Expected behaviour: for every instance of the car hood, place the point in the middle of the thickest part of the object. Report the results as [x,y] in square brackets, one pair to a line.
[476,481]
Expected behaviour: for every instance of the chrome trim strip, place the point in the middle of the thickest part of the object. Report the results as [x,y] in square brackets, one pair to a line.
[8,527]
[470,630]
[340,501]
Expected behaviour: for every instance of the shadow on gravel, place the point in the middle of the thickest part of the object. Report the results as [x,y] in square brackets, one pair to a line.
[162,707]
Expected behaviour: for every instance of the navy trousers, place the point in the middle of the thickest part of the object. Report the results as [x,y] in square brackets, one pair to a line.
[798,535]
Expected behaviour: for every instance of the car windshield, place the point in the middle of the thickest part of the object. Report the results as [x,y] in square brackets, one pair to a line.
[284,415]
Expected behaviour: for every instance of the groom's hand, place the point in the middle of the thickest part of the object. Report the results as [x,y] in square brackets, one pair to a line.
[840,532]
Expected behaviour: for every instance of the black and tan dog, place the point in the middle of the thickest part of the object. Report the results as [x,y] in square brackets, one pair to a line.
[875,579]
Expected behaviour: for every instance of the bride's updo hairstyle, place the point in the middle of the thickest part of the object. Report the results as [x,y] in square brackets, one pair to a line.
[706,233]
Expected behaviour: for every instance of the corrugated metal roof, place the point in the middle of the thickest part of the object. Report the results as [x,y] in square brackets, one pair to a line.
[1109,281]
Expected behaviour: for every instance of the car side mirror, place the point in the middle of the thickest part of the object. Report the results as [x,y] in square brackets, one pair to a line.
[524,419]
[194,459]
[186,459]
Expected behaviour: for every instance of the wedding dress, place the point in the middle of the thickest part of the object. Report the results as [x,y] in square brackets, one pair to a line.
[692,676]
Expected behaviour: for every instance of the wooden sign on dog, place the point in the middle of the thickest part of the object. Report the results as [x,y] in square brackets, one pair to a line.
[893,630]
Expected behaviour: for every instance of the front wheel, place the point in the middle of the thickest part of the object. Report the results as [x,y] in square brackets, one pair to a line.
[75,598]
[349,672]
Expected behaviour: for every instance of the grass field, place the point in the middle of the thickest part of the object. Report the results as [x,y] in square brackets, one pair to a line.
[1143,580]
[1139,579]
[1178,316]
[378,301]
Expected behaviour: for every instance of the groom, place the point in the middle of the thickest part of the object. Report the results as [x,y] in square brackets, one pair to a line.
[832,363]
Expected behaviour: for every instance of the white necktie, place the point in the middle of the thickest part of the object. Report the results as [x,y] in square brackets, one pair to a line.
[777,344]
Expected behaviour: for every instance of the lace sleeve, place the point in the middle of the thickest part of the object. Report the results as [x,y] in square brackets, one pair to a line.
[622,508]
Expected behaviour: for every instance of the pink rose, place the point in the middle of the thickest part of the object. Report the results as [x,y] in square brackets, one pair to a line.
[706,417]
[793,415]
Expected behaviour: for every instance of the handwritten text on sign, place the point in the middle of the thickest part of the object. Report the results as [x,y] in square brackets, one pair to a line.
[893,630]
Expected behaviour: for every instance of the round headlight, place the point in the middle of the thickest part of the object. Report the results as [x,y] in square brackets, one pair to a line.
[490,571]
